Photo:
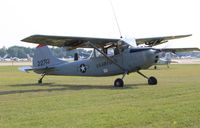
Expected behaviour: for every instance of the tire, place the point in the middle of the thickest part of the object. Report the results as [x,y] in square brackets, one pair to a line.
[118,83]
[39,81]
[152,80]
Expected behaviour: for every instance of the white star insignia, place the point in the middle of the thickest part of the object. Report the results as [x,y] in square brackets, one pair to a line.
[82,68]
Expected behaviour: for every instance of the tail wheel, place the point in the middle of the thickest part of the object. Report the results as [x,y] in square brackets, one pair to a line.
[152,80]
[118,83]
[39,81]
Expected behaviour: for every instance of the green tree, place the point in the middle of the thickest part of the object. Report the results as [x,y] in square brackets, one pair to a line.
[3,52]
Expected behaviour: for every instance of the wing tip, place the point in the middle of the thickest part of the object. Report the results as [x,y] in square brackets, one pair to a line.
[188,35]
[28,39]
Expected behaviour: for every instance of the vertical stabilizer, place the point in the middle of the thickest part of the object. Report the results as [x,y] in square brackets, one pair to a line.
[43,57]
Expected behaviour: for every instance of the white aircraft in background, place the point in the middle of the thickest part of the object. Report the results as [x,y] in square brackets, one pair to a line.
[4,57]
[126,57]
[165,58]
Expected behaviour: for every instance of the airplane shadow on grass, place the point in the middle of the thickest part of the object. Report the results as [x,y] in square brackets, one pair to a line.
[65,87]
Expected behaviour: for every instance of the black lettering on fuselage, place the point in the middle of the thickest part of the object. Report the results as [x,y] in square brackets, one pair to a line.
[105,63]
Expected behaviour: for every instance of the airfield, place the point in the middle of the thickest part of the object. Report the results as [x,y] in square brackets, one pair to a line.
[93,102]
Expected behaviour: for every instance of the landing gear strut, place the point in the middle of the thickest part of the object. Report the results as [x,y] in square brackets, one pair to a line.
[40,80]
[151,80]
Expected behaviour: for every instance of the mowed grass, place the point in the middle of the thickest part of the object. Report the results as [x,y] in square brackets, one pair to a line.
[89,102]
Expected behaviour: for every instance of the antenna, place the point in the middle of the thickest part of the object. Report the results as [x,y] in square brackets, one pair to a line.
[115,16]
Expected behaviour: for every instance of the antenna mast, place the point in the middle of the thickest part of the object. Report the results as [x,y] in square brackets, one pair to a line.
[115,16]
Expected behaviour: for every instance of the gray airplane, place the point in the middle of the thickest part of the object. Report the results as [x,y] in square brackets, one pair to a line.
[109,57]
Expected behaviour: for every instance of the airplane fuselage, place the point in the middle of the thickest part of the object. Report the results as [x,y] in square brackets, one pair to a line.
[130,59]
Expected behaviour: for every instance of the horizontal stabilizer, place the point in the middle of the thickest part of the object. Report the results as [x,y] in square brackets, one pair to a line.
[25,68]
[29,68]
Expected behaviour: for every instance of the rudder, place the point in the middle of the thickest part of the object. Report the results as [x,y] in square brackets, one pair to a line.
[43,57]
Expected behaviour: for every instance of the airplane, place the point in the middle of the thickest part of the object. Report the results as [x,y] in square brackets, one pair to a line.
[164,59]
[126,56]
[29,58]
[4,57]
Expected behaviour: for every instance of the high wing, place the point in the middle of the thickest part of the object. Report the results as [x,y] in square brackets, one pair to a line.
[158,40]
[84,42]
[70,42]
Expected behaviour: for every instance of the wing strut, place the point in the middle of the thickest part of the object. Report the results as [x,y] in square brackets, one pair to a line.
[123,69]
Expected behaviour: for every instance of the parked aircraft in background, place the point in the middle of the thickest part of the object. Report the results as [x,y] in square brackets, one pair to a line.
[4,57]
[165,58]
[109,57]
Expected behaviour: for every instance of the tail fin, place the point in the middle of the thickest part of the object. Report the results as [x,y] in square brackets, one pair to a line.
[43,57]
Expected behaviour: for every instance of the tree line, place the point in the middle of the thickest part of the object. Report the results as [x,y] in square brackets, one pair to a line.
[24,52]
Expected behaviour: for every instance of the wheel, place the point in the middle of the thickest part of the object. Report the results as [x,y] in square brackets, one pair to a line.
[152,80]
[118,83]
[39,81]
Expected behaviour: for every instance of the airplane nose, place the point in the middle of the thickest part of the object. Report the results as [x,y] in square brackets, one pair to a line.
[156,58]
[156,53]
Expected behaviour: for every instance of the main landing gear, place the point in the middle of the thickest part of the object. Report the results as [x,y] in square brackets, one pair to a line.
[151,80]
[120,83]
[40,80]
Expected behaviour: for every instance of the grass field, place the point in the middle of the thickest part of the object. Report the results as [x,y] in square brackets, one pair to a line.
[87,102]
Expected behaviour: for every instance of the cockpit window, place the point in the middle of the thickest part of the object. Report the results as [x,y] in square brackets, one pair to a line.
[108,52]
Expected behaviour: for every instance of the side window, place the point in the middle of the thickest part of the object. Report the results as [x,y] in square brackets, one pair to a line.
[110,52]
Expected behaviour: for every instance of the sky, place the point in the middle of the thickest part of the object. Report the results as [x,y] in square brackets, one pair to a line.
[94,18]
